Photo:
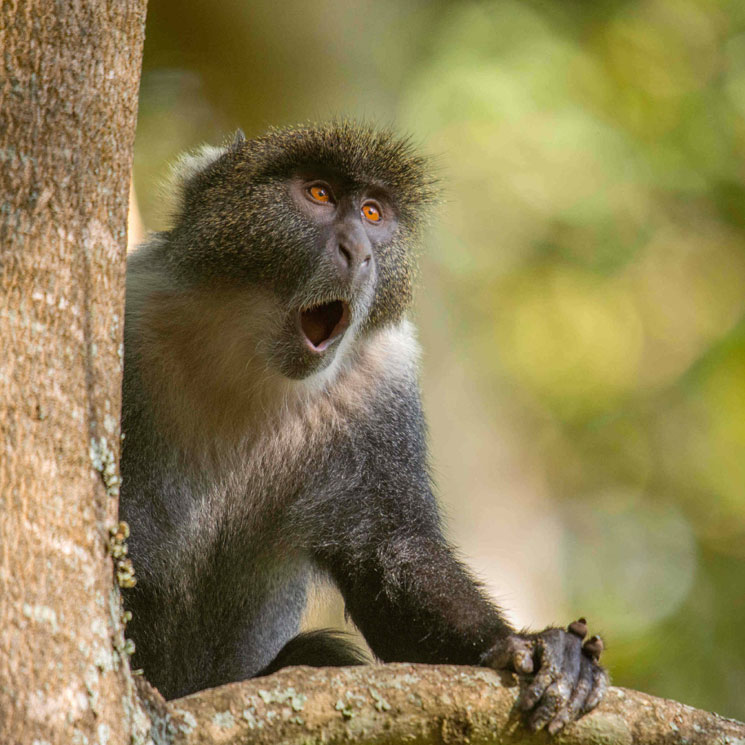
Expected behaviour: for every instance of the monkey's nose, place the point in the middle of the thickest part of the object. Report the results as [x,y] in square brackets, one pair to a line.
[353,259]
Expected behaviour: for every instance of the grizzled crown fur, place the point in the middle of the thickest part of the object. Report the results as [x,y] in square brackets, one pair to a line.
[362,152]
[231,219]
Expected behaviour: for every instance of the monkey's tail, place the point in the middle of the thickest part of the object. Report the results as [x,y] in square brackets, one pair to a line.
[322,648]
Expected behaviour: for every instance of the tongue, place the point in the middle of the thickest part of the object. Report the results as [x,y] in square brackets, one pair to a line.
[318,323]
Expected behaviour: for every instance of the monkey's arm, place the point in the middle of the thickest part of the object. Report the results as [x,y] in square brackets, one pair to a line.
[404,588]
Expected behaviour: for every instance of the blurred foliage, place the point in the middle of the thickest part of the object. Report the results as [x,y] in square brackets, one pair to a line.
[588,271]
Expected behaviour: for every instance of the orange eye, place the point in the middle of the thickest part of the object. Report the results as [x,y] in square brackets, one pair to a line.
[320,193]
[371,212]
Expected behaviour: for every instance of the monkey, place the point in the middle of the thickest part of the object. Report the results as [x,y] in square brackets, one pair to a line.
[274,433]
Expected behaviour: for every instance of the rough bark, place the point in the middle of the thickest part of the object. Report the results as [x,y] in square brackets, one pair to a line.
[417,704]
[68,98]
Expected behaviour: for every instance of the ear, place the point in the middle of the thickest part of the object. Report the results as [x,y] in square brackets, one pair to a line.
[238,140]
[183,171]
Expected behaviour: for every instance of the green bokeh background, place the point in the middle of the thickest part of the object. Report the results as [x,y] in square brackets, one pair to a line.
[582,301]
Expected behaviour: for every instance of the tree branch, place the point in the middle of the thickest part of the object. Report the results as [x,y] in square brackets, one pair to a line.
[420,704]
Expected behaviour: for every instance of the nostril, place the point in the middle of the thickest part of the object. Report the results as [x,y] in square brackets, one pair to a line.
[345,254]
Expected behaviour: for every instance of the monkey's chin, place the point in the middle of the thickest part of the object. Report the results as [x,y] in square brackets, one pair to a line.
[302,363]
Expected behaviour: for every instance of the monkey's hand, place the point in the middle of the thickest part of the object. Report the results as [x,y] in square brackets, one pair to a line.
[567,681]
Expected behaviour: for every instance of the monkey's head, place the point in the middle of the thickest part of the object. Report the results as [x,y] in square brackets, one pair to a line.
[321,223]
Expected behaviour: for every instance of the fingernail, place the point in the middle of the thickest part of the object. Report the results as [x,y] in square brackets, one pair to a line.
[523,663]
[538,723]
[525,702]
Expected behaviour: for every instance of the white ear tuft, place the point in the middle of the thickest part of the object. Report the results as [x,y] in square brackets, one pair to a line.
[190,164]
[183,170]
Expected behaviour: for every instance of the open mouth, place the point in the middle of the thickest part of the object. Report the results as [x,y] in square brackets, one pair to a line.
[323,324]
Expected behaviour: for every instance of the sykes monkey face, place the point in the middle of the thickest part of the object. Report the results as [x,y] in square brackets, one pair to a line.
[322,224]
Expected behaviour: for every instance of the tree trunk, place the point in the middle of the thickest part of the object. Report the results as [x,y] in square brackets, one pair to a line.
[68,99]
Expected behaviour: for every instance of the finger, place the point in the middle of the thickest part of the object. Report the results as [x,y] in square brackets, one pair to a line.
[578,628]
[514,653]
[572,660]
[577,702]
[559,721]
[600,684]
[522,658]
[551,649]
[552,702]
[555,700]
